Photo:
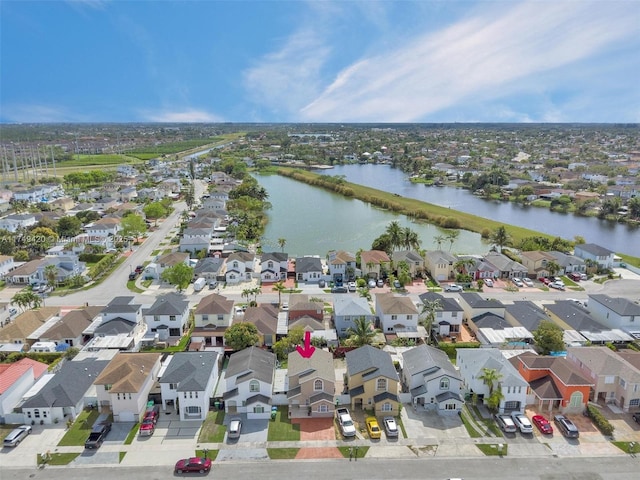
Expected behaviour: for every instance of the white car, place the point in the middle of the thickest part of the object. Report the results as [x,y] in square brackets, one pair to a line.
[517,282]
[352,286]
[488,282]
[527,282]
[522,422]
[557,285]
[453,288]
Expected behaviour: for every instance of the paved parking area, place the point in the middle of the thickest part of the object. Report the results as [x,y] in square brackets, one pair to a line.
[422,424]
[250,444]
[316,428]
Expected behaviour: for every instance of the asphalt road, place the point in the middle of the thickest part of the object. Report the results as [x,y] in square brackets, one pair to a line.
[488,468]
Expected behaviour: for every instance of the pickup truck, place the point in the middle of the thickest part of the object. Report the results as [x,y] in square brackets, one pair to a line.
[347,426]
[97,435]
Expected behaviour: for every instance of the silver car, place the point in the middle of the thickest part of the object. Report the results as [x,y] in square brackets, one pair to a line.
[390,426]
[522,422]
[506,424]
[235,427]
[16,436]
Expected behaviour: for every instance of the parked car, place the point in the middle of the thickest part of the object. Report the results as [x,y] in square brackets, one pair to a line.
[373,428]
[16,436]
[193,464]
[527,282]
[285,306]
[390,426]
[453,288]
[213,284]
[506,424]
[545,280]
[352,286]
[576,277]
[522,422]
[139,268]
[342,289]
[397,284]
[322,284]
[235,427]
[543,424]
[517,282]
[488,282]
[133,276]
[566,426]
[557,285]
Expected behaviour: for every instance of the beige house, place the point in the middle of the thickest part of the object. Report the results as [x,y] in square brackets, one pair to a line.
[312,385]
[212,317]
[440,264]
[536,262]
[373,263]
[22,331]
[372,381]
[123,386]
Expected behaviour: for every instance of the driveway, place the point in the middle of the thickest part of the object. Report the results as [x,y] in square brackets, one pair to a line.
[316,428]
[421,424]
[252,442]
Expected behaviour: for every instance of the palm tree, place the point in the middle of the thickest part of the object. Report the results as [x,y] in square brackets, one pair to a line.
[362,333]
[279,287]
[439,239]
[395,234]
[451,237]
[410,239]
[490,376]
[553,268]
[463,264]
[501,237]
[430,307]
[51,274]
[246,293]
[282,242]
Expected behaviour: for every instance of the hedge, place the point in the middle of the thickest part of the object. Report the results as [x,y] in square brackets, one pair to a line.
[598,419]
[91,257]
[450,348]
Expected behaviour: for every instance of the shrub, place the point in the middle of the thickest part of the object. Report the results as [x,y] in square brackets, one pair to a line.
[598,419]
[450,222]
[486,233]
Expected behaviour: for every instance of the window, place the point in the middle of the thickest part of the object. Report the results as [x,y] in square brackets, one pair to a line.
[220,318]
[387,407]
[454,314]
[576,399]
[172,318]
[184,394]
[192,410]
[317,385]
[623,384]
[156,318]
[254,386]
[108,387]
[450,406]
[635,402]
[439,314]
[36,413]
[173,386]
[381,385]
[609,379]
[394,317]
[29,413]
[444,384]
[323,408]
[409,317]
[205,318]
[117,396]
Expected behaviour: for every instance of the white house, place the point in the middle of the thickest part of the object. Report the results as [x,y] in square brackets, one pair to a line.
[309,269]
[396,313]
[15,380]
[342,265]
[273,267]
[12,223]
[590,251]
[448,317]
[615,312]
[249,382]
[168,316]
[347,309]
[240,266]
[187,381]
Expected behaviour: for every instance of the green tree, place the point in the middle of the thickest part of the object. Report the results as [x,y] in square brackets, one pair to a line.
[548,337]
[51,274]
[430,308]
[280,288]
[21,256]
[634,207]
[553,267]
[394,231]
[154,211]
[439,240]
[133,226]
[26,300]
[69,226]
[490,377]
[451,237]
[241,335]
[282,242]
[362,333]
[40,239]
[501,237]
[493,402]
[179,275]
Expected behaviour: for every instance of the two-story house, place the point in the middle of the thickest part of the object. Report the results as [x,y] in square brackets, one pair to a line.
[375,264]
[484,370]
[433,381]
[396,313]
[123,386]
[448,318]
[209,268]
[165,261]
[347,309]
[168,316]
[413,260]
[595,253]
[249,381]
[273,267]
[568,263]
[13,223]
[188,381]
[195,240]
[240,267]
[309,269]
[372,381]
[212,317]
[474,305]
[306,312]
[536,262]
[342,266]
[311,384]
[265,318]
[615,312]
[120,326]
[15,380]
[69,330]
[6,265]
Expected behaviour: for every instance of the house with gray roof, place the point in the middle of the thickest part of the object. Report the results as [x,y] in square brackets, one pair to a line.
[474,305]
[397,314]
[448,319]
[433,381]
[474,362]
[506,267]
[168,316]
[440,264]
[413,259]
[273,267]
[616,312]
[347,309]
[249,379]
[495,331]
[617,377]
[189,379]
[372,381]
[209,268]
[529,315]
[568,263]
[312,384]
[342,266]
[63,395]
[240,267]
[309,269]
[593,252]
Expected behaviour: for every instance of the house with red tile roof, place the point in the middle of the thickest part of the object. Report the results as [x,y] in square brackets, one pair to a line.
[15,380]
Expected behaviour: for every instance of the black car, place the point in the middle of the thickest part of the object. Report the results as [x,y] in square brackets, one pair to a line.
[341,289]
[133,276]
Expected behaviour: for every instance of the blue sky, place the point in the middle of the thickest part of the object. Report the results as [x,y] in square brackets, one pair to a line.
[320,61]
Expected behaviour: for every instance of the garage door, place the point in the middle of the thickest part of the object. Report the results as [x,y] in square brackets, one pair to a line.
[510,406]
[127,417]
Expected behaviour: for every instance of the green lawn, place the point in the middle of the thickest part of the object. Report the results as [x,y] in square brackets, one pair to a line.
[57,458]
[212,454]
[213,429]
[491,449]
[132,434]
[131,285]
[281,429]
[79,431]
[628,447]
[357,452]
[282,453]
[469,425]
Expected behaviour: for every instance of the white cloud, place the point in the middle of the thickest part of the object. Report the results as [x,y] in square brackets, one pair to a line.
[488,56]
[184,116]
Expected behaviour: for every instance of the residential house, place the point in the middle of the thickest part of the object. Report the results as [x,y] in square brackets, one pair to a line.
[69,330]
[188,380]
[616,380]
[240,266]
[529,315]
[615,312]
[13,223]
[440,264]
[120,326]
[474,305]
[372,381]
[212,317]
[24,329]
[309,269]
[64,204]
[556,383]
[62,395]
[476,364]
[15,380]
[25,274]
[536,262]
[209,268]
[312,384]
[195,240]
[103,228]
[127,194]
[123,387]
[508,268]
[595,253]
[6,265]
[433,381]
[495,331]
[273,267]
[347,309]
[305,312]
[568,263]
[168,316]
[448,317]
[397,314]
[165,261]
[265,318]
[374,264]
[67,267]
[249,379]
[342,266]
[413,259]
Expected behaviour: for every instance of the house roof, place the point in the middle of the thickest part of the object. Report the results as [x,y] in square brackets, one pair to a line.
[301,301]
[214,304]
[306,322]
[406,255]
[622,306]
[428,361]
[373,256]
[190,371]
[308,264]
[173,258]
[593,249]
[73,323]
[264,317]
[208,265]
[579,318]
[527,314]
[440,256]
[275,257]
[565,260]
[504,263]
[11,372]
[604,361]
[448,304]
[169,304]
[477,359]
[347,305]
[69,385]
[318,365]
[397,305]
[545,389]
[490,320]
[245,257]
[115,326]
[27,268]
[535,255]
[371,359]
[252,362]
[474,300]
[562,368]
[27,323]
[127,372]
[341,257]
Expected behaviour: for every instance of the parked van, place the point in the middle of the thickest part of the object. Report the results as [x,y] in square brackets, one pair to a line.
[199,284]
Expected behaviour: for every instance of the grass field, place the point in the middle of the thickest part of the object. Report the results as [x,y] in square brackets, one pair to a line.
[106,159]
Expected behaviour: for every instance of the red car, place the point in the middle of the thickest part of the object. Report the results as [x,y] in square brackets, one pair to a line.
[545,280]
[193,464]
[543,424]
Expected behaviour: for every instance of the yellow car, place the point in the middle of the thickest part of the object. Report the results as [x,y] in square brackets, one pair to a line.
[373,428]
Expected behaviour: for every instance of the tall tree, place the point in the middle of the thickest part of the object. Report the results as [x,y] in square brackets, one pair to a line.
[439,240]
[452,236]
[410,239]
[282,242]
[51,274]
[241,335]
[490,377]
[549,337]
[179,275]
[395,234]
[133,226]
[362,333]
[69,226]
[280,288]
[154,211]
[430,308]
[501,237]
